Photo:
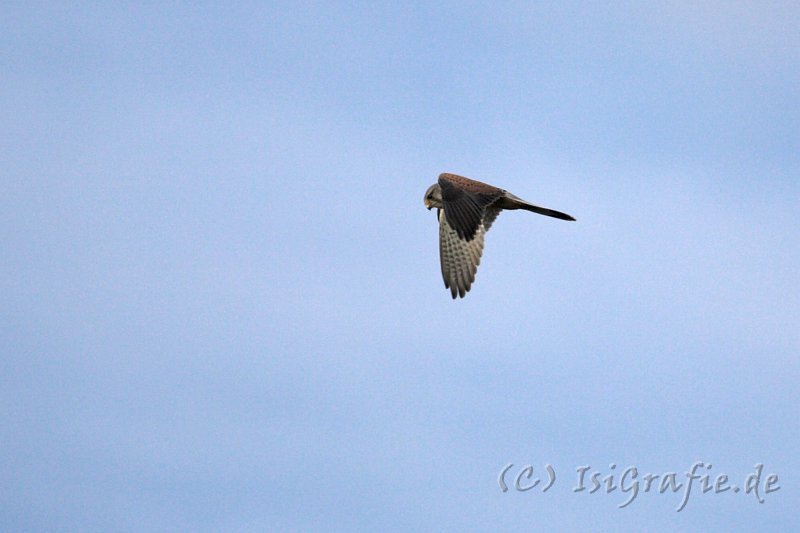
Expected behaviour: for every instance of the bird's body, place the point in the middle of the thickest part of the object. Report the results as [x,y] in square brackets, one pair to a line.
[466,210]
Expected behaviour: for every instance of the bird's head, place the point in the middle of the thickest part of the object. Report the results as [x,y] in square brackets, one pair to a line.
[433,197]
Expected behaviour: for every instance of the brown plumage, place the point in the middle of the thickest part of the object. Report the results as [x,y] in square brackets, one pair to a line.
[466,209]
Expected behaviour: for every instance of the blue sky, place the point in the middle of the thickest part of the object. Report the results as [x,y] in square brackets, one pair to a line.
[222,307]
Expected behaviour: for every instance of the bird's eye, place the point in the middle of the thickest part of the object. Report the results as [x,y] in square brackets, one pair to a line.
[430,197]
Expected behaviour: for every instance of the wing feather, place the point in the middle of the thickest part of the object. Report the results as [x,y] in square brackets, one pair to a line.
[465,203]
[459,257]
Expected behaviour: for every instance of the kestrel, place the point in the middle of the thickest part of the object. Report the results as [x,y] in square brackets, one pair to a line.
[466,209]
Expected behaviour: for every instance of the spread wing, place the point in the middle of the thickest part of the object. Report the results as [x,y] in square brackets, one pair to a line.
[465,203]
[460,257]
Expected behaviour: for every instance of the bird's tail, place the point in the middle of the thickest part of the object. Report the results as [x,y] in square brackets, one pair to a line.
[514,202]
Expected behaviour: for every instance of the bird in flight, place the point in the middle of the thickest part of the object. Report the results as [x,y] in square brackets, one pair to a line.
[466,210]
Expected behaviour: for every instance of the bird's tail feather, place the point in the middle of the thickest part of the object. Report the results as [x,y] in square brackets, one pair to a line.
[514,202]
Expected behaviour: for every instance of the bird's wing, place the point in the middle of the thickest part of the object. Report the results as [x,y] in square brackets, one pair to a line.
[465,203]
[459,257]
